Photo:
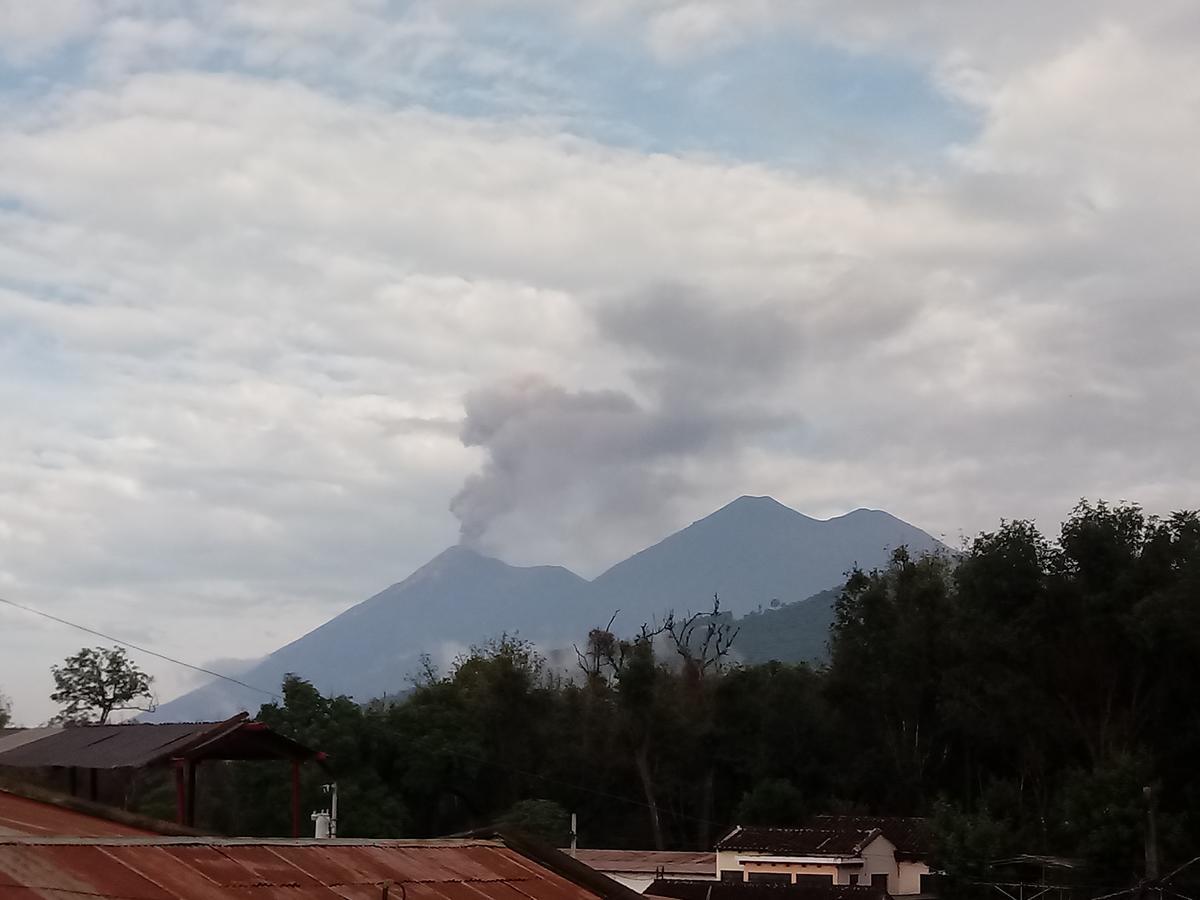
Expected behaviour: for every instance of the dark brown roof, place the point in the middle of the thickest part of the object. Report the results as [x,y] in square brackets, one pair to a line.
[650,862]
[208,868]
[138,744]
[742,890]
[911,834]
[839,841]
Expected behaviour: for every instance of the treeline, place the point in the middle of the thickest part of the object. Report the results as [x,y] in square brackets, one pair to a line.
[1021,693]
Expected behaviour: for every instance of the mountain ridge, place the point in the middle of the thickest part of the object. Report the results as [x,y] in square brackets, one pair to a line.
[752,551]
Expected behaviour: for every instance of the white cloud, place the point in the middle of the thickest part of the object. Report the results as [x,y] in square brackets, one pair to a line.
[28,31]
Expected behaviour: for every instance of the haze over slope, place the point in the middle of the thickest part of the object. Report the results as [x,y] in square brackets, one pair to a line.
[752,551]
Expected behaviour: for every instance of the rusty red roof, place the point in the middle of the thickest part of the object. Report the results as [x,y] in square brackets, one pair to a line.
[210,868]
[136,744]
[26,816]
[29,810]
[650,862]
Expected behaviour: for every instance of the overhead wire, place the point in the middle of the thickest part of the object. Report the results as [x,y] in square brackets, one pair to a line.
[274,695]
[132,646]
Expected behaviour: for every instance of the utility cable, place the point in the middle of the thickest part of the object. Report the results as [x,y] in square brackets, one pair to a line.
[116,640]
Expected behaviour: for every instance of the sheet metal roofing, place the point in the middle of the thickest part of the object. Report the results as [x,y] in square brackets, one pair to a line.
[138,744]
[30,817]
[839,841]
[911,835]
[207,869]
[650,862]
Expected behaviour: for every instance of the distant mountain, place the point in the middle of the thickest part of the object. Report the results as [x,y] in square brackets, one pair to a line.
[457,599]
[750,552]
[753,551]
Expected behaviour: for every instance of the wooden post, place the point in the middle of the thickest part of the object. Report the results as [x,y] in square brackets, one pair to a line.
[295,798]
[191,794]
[93,791]
[73,781]
[180,793]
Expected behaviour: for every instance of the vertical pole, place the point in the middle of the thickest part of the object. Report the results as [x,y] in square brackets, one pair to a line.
[73,780]
[574,834]
[1151,836]
[180,794]
[295,798]
[93,790]
[191,794]
[333,810]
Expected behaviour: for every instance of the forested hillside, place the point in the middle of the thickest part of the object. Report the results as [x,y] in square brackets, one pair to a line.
[1022,694]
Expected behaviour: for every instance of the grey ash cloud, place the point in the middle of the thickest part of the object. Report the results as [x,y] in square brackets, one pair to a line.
[610,454]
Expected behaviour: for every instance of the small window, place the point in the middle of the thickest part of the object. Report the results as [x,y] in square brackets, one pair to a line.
[732,875]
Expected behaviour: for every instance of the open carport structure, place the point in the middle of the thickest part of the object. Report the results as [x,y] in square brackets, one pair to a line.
[91,749]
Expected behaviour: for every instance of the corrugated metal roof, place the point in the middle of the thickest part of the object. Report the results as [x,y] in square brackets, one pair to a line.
[649,862]
[12,738]
[28,810]
[845,841]
[25,816]
[200,869]
[911,835]
[137,744]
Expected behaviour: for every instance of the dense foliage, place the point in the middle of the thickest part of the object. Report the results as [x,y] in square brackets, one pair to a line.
[1022,693]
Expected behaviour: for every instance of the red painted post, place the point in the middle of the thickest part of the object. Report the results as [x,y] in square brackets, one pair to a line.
[180,793]
[295,798]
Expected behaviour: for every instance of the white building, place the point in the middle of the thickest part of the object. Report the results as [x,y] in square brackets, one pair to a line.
[886,853]
[638,869]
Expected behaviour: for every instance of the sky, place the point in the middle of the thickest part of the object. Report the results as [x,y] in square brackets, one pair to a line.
[296,293]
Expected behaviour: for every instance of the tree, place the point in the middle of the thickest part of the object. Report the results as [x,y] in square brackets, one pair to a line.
[775,802]
[5,710]
[96,682]
[542,819]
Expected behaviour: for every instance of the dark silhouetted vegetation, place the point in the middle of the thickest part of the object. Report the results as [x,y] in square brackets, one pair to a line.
[1021,694]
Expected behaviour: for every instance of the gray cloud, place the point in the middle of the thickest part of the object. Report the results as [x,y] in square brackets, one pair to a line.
[554,455]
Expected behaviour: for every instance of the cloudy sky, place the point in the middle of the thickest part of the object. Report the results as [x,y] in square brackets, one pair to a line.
[294,292]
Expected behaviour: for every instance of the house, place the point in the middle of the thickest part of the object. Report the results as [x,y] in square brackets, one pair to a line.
[891,854]
[638,869]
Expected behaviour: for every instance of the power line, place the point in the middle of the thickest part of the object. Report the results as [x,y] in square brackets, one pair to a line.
[132,646]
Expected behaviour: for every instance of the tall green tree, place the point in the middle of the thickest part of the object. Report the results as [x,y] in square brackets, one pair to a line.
[98,681]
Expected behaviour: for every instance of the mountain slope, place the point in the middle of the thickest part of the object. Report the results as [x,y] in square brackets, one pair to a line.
[752,551]
[795,632]
[456,599]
